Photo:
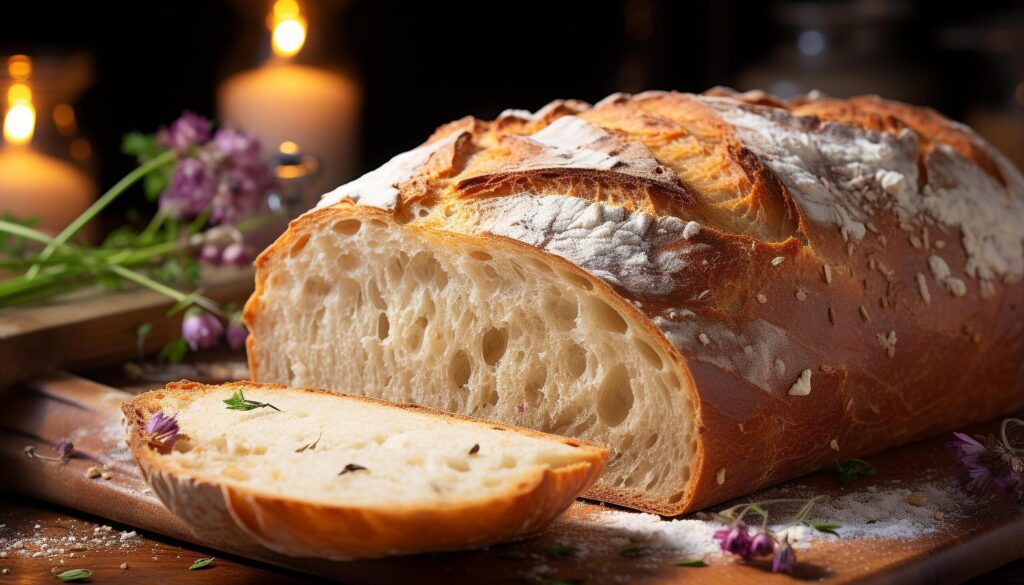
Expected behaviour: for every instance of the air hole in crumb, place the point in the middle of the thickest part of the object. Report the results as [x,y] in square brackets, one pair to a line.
[220,444]
[481,255]
[615,396]
[259,450]
[541,266]
[383,326]
[235,473]
[299,244]
[492,397]
[508,461]
[414,334]
[676,497]
[314,286]
[348,262]
[373,293]
[651,440]
[605,316]
[378,223]
[648,352]
[494,343]
[575,359]
[300,414]
[562,310]
[534,386]
[579,281]
[423,212]
[458,464]
[347,227]
[424,267]
[459,370]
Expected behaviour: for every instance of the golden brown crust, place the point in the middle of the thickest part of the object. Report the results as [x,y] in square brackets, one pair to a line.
[836,236]
[217,509]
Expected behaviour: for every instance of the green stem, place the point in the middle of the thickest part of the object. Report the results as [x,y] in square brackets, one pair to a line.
[157,286]
[101,203]
[25,232]
[153,225]
[257,222]
[1006,438]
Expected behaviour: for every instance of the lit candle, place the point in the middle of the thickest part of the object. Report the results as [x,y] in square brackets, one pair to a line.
[32,184]
[285,102]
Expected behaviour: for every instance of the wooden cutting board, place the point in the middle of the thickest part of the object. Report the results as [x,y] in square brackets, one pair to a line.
[45,410]
[93,327]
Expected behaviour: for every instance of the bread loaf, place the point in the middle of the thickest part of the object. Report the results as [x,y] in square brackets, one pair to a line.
[726,290]
[340,477]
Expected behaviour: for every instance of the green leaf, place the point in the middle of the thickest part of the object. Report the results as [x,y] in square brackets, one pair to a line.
[138,144]
[74,575]
[559,551]
[689,563]
[757,509]
[174,351]
[823,526]
[850,470]
[239,402]
[634,552]
[200,563]
[155,183]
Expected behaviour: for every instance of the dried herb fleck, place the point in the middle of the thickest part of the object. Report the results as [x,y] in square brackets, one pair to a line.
[559,551]
[351,468]
[475,449]
[239,402]
[200,564]
[310,446]
[850,470]
[689,563]
[634,552]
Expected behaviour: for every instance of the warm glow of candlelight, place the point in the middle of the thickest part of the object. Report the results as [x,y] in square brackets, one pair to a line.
[19,67]
[289,28]
[288,147]
[20,119]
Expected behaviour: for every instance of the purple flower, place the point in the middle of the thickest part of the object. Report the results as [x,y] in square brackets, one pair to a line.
[211,254]
[200,329]
[784,559]
[988,470]
[191,190]
[735,539]
[225,174]
[237,333]
[187,132]
[762,544]
[236,254]
[162,430]
[64,449]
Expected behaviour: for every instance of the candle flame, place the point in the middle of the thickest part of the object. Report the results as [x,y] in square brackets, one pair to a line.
[20,118]
[289,28]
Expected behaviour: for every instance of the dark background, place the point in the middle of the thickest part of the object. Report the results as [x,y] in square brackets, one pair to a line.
[425,63]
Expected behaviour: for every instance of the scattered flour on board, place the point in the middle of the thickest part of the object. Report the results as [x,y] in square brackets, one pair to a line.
[901,512]
[63,543]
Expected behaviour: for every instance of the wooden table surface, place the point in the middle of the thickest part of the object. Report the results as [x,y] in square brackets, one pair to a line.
[152,557]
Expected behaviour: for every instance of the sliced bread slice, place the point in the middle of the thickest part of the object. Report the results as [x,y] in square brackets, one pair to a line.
[306,472]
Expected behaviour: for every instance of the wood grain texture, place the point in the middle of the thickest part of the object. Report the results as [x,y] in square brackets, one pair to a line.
[42,412]
[92,327]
